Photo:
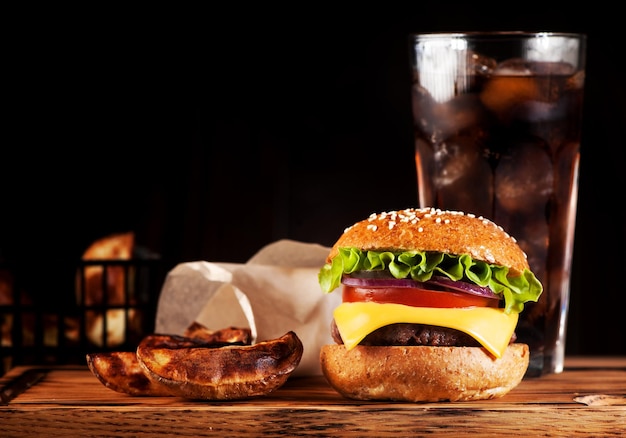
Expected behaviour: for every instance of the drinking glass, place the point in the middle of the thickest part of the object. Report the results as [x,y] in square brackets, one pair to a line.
[497,122]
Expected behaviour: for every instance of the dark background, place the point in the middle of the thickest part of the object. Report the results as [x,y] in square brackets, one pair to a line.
[213,132]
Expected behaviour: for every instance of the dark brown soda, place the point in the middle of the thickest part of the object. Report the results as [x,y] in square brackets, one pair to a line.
[507,147]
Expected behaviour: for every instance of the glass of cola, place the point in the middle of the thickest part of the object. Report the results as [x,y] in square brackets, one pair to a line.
[497,122]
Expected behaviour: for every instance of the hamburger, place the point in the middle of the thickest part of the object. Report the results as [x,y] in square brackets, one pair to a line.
[430,304]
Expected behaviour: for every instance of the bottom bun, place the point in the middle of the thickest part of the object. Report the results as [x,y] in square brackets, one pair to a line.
[423,374]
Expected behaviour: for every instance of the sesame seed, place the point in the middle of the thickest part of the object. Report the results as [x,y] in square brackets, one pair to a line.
[372,227]
[391,224]
[420,229]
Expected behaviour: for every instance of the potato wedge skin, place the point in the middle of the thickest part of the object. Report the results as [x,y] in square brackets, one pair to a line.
[226,373]
[231,335]
[175,341]
[121,372]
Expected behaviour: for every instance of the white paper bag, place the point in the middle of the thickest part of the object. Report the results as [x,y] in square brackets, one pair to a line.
[275,292]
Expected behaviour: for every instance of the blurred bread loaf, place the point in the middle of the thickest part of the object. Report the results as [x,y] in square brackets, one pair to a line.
[106,285]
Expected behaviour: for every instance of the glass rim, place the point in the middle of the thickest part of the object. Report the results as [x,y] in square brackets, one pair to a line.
[496,34]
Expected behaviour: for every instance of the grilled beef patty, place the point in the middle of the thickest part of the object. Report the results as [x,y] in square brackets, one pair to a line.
[414,334]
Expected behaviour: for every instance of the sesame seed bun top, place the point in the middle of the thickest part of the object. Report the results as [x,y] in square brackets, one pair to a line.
[430,229]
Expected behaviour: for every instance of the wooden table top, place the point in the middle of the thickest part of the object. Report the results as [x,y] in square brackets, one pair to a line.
[587,399]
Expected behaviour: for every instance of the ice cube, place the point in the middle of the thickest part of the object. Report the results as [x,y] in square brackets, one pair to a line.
[513,67]
[464,179]
[502,94]
[472,192]
[520,89]
[423,106]
[524,178]
[454,158]
[440,120]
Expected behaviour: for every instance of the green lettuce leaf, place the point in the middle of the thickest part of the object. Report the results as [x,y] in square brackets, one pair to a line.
[421,266]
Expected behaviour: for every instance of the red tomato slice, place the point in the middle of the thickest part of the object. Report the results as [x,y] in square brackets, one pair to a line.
[415,297]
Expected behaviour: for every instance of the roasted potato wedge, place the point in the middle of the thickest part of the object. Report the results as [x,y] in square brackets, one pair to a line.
[121,372]
[225,335]
[226,373]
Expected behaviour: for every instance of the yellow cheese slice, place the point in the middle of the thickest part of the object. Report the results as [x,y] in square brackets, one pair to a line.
[490,326]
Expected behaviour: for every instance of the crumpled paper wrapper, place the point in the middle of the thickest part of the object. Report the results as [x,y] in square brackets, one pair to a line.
[276,291]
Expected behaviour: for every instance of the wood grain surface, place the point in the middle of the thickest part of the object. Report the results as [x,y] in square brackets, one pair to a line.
[587,399]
